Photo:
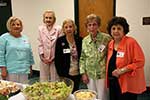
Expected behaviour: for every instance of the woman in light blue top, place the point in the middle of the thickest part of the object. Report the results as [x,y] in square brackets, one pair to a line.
[16,57]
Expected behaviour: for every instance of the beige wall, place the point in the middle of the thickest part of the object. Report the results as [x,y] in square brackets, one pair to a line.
[134,10]
[30,11]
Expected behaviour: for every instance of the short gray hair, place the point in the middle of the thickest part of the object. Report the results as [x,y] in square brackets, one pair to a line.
[93,17]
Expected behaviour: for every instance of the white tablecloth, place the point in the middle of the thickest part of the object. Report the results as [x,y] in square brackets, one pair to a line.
[20,96]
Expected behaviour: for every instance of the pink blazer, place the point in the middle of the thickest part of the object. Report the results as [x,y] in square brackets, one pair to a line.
[133,58]
[47,40]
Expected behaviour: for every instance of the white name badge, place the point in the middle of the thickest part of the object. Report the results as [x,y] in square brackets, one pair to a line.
[66,51]
[101,48]
[120,54]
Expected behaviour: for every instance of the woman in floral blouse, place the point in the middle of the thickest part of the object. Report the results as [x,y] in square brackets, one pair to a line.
[93,56]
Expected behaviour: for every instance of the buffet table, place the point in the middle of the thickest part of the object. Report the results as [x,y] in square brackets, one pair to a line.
[20,96]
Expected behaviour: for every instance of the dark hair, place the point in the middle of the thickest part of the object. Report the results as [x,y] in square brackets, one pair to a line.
[118,21]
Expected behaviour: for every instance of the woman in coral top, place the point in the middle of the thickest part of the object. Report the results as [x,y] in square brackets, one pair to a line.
[125,63]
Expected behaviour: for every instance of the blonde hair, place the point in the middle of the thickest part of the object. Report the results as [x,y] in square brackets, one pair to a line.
[12,20]
[92,17]
[73,23]
[49,11]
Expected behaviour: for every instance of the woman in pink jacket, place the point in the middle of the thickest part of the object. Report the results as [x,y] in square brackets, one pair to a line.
[125,63]
[48,34]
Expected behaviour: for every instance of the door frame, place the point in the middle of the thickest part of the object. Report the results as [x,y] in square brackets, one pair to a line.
[6,12]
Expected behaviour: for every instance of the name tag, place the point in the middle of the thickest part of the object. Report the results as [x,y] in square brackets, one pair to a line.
[101,48]
[120,54]
[66,51]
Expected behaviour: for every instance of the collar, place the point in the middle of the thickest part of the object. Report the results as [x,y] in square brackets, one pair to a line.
[90,40]
[121,44]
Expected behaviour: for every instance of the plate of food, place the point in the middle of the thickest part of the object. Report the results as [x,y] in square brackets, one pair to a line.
[50,90]
[8,88]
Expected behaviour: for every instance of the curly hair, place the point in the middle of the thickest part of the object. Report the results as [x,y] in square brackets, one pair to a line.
[118,21]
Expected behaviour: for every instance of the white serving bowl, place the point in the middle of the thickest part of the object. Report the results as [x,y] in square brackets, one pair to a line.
[85,94]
